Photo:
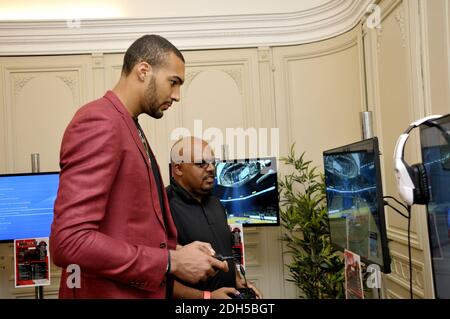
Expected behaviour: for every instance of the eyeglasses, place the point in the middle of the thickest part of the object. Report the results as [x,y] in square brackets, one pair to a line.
[205,163]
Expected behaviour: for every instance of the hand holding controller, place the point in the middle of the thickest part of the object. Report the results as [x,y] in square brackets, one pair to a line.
[222,258]
[247,292]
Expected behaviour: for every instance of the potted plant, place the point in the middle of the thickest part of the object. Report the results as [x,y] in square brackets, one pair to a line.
[316,268]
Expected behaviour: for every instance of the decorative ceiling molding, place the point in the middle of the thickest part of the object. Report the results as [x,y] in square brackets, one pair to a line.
[330,19]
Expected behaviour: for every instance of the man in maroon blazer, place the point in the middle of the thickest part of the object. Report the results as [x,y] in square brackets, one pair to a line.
[112,218]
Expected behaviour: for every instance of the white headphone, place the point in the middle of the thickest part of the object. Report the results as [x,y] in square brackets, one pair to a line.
[412,181]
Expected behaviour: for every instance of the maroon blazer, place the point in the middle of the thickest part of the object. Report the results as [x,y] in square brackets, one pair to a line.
[107,218]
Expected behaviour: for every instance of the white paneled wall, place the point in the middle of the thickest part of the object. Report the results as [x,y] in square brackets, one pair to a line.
[246,88]
[407,62]
[39,97]
[312,93]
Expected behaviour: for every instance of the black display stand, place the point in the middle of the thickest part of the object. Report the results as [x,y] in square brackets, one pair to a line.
[39,292]
[35,168]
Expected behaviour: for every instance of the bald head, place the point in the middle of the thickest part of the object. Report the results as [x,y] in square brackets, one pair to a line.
[190,150]
[193,165]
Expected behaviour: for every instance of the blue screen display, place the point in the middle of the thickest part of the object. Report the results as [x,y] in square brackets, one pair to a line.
[435,143]
[26,205]
[354,201]
[248,191]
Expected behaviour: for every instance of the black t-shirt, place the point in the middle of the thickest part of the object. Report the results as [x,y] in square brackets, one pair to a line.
[207,222]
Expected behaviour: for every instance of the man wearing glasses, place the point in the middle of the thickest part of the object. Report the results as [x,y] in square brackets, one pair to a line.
[199,216]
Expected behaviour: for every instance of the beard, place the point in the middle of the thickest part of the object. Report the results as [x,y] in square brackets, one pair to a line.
[207,187]
[151,103]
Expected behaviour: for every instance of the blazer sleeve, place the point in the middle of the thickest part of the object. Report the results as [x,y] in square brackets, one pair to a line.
[90,158]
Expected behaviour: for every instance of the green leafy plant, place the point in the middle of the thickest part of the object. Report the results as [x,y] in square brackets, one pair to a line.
[316,268]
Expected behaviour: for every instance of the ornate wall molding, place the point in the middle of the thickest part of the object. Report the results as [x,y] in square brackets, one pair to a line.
[387,8]
[264,54]
[236,75]
[401,235]
[71,82]
[400,18]
[400,273]
[345,44]
[325,21]
[20,82]
[190,75]
[98,60]
[379,32]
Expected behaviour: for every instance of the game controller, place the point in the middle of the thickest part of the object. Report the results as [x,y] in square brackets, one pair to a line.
[222,258]
[245,293]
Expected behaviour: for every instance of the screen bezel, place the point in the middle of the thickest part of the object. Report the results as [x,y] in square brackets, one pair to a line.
[274,162]
[2,241]
[370,144]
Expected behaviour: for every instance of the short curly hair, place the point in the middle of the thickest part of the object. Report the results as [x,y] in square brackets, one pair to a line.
[150,48]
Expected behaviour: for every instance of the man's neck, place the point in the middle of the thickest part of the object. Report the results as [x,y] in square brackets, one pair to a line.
[187,189]
[128,97]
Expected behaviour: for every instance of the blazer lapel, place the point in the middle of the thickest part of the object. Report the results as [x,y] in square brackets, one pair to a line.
[137,140]
[154,192]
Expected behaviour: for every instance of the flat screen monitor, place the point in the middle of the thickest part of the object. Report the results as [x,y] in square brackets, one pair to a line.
[248,189]
[26,205]
[355,201]
[435,145]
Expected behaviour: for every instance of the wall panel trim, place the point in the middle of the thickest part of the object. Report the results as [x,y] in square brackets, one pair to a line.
[328,20]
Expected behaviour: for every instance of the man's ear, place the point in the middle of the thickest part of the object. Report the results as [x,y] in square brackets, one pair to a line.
[177,170]
[143,69]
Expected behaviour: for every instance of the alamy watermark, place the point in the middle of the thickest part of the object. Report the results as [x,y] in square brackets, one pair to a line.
[74,279]
[373,21]
[73,23]
[374,279]
[230,144]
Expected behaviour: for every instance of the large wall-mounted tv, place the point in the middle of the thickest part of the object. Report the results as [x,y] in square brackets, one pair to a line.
[435,144]
[248,189]
[26,205]
[355,201]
